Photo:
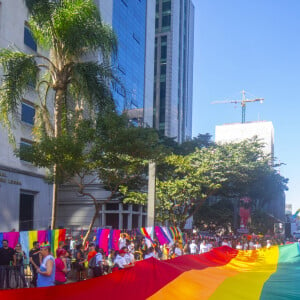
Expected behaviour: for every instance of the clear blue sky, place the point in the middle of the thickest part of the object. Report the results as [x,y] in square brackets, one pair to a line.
[252,45]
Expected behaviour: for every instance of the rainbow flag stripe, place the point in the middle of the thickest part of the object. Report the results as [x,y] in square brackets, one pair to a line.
[223,273]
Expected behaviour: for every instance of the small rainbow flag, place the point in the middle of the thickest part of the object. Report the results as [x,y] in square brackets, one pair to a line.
[223,273]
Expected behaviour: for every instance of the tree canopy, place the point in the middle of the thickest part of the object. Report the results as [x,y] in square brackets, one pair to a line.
[231,170]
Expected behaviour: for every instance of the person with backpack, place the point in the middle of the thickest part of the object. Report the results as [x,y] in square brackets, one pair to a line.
[96,263]
[91,259]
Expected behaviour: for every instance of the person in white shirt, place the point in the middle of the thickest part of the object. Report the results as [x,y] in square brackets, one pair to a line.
[257,245]
[203,247]
[193,247]
[122,241]
[177,250]
[225,243]
[150,253]
[268,244]
[245,246]
[251,245]
[209,245]
[120,260]
[239,246]
[129,257]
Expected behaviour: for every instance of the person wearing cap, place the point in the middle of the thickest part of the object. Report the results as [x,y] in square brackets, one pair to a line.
[120,260]
[60,266]
[46,271]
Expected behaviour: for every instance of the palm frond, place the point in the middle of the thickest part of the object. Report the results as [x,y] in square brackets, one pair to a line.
[19,70]
[92,81]
[72,28]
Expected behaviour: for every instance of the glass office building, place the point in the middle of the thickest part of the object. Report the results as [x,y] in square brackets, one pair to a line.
[129,23]
[173,68]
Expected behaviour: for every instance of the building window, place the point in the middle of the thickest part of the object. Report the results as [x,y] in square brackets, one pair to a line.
[135,207]
[125,221]
[135,221]
[163,53]
[112,220]
[163,49]
[112,206]
[24,144]
[166,6]
[28,112]
[166,21]
[28,38]
[162,103]
[163,69]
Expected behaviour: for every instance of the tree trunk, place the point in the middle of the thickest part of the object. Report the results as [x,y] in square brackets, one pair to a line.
[97,210]
[59,98]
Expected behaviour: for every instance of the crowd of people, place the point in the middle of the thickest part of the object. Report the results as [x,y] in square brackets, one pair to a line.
[75,262]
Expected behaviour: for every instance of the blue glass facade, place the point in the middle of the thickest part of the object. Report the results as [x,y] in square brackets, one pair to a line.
[129,23]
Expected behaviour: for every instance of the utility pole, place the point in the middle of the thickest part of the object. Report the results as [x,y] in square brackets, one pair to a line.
[242,102]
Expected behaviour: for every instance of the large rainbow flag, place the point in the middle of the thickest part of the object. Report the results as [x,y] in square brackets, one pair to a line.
[223,273]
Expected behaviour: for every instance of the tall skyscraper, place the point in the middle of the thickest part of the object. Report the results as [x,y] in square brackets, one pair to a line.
[133,23]
[173,68]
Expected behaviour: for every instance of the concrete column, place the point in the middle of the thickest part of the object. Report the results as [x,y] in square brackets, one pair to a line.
[130,217]
[103,215]
[140,216]
[151,194]
[121,216]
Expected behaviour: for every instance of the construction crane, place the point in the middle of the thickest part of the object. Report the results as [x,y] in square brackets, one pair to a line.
[242,102]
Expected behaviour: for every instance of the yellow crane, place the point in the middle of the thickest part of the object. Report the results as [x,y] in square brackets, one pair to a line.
[243,102]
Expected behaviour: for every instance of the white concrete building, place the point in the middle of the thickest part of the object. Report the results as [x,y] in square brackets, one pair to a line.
[25,196]
[238,132]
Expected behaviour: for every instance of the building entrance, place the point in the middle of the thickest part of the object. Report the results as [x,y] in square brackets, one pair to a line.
[26,212]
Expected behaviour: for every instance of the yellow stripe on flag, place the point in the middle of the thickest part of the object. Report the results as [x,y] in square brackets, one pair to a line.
[254,267]
[32,237]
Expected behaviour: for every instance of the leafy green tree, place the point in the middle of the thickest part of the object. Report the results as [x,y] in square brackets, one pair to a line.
[67,82]
[229,170]
[107,150]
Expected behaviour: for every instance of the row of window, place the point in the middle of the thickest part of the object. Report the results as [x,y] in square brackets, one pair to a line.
[165,14]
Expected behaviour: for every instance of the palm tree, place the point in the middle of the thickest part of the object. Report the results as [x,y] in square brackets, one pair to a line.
[66,81]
